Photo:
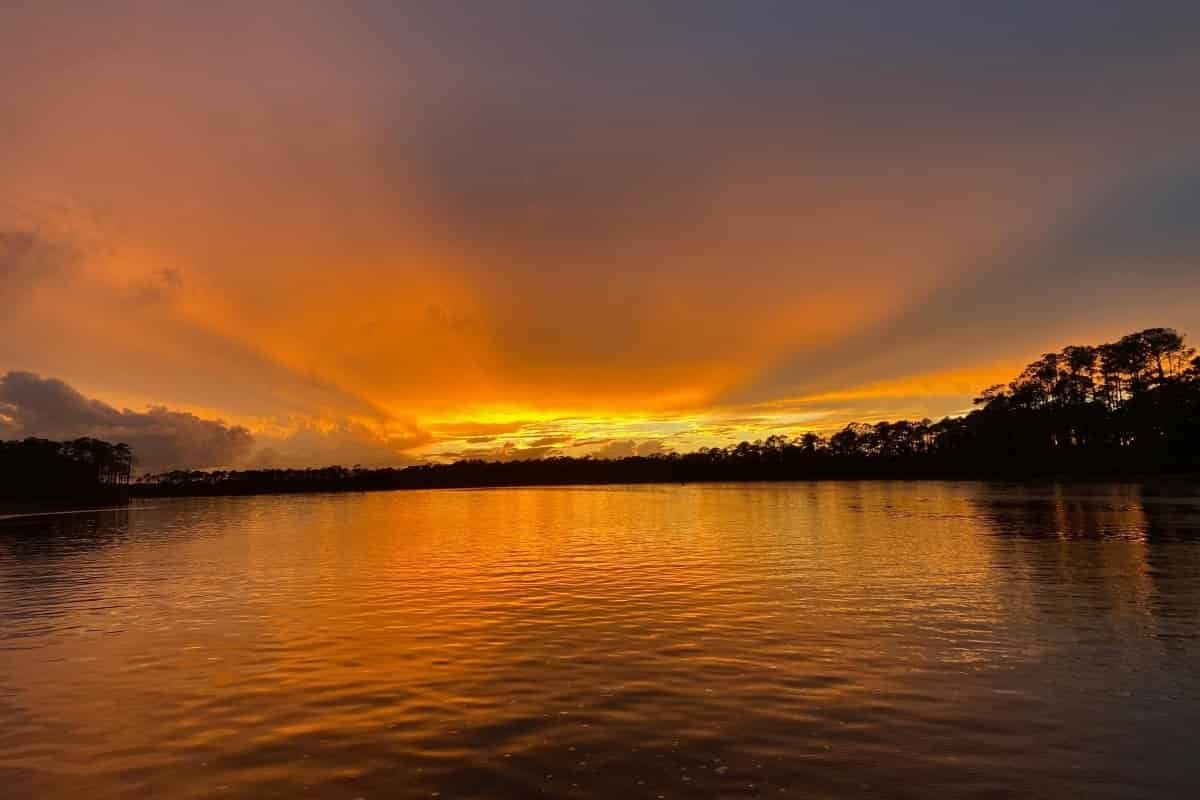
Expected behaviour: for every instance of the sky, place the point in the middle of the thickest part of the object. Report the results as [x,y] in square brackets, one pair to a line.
[296,233]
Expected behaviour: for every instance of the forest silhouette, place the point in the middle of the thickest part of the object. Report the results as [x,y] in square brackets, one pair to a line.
[1127,408]
[79,471]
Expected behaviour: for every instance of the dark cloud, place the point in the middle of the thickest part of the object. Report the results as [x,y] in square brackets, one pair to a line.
[161,438]
[165,439]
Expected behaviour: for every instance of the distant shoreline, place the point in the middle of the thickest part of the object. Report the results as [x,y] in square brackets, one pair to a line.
[1158,480]
[4,515]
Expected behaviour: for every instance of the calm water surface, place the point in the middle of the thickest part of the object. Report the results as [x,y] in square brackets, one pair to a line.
[801,640]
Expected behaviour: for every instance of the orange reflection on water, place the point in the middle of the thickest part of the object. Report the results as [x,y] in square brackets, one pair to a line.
[809,637]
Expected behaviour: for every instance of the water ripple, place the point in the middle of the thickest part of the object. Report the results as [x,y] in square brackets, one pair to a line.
[815,640]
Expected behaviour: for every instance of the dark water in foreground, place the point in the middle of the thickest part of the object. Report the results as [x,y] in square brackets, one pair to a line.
[802,640]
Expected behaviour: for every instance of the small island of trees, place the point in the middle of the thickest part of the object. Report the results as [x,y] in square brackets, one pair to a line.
[1128,408]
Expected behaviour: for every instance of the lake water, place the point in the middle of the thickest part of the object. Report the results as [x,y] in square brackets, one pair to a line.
[797,640]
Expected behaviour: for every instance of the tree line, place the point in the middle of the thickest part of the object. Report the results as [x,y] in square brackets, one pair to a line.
[82,470]
[1125,408]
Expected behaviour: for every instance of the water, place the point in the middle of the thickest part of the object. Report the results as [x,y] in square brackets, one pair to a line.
[799,640]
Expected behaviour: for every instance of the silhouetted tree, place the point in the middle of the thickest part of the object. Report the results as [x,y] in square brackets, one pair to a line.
[80,470]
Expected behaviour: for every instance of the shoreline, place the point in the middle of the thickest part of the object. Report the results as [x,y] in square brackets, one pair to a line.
[1155,480]
[59,512]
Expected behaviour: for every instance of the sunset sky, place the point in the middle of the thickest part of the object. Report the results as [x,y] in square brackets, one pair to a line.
[299,233]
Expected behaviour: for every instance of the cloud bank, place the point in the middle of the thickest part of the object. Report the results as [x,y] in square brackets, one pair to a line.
[161,438]
[164,439]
